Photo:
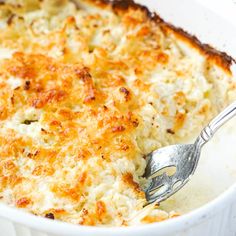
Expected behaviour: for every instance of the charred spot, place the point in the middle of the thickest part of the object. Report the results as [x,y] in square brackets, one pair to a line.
[10,19]
[84,212]
[28,122]
[106,32]
[27,85]
[91,50]
[124,5]
[170,131]
[119,128]
[83,74]
[105,108]
[50,216]
[12,100]
[17,88]
[120,4]
[44,131]
[135,123]
[32,155]
[124,147]
[89,99]
[126,92]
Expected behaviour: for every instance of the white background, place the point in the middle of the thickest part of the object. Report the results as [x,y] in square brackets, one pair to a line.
[224,8]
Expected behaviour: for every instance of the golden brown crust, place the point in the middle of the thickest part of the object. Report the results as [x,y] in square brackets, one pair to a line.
[220,58]
[129,180]
[23,202]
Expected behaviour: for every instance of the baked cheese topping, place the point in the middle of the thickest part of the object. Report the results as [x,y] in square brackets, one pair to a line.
[86,91]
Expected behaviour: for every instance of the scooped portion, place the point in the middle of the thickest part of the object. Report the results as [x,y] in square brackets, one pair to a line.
[86,91]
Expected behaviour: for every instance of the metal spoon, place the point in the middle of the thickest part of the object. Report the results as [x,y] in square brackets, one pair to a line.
[183,157]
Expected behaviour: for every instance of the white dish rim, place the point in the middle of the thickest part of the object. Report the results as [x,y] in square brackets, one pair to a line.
[172,225]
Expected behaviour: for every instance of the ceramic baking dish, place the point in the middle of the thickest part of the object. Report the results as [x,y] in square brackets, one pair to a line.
[209,199]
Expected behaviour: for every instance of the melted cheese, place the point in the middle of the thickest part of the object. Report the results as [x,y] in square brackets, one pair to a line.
[85,94]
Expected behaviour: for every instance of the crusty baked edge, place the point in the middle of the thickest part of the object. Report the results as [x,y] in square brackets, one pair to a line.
[220,58]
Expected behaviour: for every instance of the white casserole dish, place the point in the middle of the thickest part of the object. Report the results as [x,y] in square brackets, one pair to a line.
[212,188]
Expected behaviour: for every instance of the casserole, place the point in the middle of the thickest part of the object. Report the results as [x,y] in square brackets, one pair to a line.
[118,230]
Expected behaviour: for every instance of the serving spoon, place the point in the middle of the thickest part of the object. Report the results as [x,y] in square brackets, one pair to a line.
[182,157]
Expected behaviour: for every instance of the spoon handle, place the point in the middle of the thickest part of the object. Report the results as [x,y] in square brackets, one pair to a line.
[217,122]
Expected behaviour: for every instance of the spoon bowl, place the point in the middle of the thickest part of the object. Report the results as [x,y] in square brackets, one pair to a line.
[182,157]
